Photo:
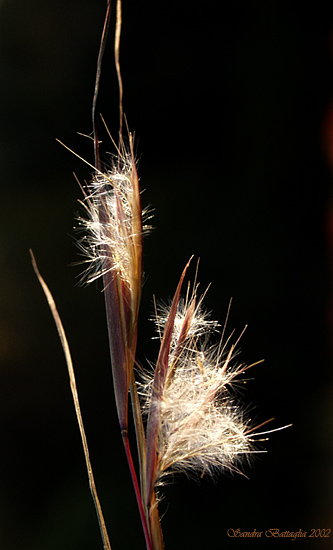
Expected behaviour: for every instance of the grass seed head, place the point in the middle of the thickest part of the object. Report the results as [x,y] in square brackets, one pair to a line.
[112,246]
[202,427]
[112,239]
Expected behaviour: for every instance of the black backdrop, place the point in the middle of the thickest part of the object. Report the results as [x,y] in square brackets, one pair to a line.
[227,101]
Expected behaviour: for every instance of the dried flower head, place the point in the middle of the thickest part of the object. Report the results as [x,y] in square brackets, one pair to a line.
[112,245]
[201,426]
[113,226]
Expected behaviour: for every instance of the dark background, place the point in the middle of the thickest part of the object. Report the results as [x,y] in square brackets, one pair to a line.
[230,103]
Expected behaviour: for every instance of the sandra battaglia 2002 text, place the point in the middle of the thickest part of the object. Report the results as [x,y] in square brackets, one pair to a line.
[279,533]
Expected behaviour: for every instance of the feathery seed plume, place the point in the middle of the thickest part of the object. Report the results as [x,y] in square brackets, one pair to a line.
[113,250]
[201,426]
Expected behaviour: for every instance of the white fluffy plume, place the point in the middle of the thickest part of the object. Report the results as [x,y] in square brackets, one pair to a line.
[202,427]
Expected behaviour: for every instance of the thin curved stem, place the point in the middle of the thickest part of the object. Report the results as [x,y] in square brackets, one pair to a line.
[143,518]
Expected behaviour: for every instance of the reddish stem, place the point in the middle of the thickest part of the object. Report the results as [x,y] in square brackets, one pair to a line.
[148,540]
